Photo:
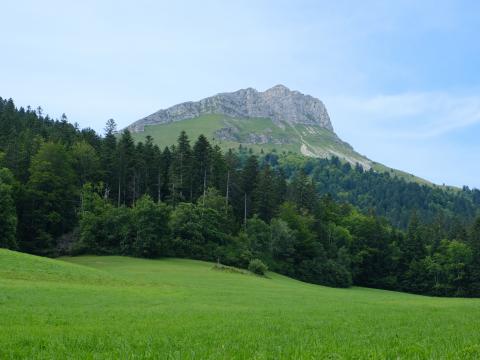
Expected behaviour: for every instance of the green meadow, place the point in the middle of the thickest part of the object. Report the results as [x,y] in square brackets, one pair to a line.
[92,307]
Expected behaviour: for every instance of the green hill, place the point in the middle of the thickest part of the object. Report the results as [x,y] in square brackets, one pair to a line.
[115,307]
[306,140]
[257,134]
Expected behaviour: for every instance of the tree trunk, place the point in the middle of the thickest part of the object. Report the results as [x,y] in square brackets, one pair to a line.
[119,192]
[134,189]
[204,185]
[159,200]
[226,195]
[245,212]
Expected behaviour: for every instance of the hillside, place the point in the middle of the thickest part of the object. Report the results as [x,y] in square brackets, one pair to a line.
[258,134]
[185,309]
[277,118]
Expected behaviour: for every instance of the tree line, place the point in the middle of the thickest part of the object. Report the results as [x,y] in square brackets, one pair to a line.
[69,191]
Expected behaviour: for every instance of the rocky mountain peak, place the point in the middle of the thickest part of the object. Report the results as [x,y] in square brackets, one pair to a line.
[279,103]
[278,90]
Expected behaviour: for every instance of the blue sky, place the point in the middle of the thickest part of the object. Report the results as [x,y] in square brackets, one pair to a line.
[401,79]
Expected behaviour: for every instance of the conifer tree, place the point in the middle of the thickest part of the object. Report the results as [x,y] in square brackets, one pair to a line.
[413,247]
[265,204]
[8,214]
[51,199]
[181,167]
[163,181]
[249,183]
[126,167]
[108,155]
[302,191]
[202,170]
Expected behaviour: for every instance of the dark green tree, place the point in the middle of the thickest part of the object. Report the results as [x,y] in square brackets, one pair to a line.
[86,162]
[126,169]
[8,214]
[249,182]
[51,199]
[151,228]
[181,168]
[202,166]
[302,192]
[110,165]
[266,201]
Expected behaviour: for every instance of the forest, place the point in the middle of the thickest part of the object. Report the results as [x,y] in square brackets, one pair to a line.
[66,190]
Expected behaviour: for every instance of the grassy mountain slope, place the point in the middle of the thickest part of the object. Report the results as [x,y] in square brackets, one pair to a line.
[300,139]
[256,133]
[183,309]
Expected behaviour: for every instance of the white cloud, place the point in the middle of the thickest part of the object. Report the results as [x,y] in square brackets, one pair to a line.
[406,116]
[430,134]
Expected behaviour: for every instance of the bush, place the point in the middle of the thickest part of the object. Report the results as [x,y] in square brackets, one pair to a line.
[256,266]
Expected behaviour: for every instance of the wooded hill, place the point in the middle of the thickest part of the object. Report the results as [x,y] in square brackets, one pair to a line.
[66,190]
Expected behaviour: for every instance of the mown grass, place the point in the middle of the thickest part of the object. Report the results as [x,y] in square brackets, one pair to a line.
[120,308]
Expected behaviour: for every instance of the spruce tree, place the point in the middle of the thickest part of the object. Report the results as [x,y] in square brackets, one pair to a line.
[181,167]
[125,169]
[108,156]
[164,165]
[201,170]
[265,204]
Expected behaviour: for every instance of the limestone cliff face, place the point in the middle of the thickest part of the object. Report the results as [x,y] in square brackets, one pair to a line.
[278,103]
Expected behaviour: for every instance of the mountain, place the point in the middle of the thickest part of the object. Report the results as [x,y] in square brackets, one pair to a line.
[277,118]
[279,104]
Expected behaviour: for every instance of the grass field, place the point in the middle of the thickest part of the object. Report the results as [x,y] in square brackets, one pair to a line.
[116,307]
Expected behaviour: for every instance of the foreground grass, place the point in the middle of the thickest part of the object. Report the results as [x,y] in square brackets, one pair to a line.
[116,307]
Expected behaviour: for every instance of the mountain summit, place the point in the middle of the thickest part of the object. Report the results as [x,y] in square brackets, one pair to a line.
[277,118]
[278,103]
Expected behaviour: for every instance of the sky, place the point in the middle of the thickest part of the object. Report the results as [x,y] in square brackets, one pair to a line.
[400,79]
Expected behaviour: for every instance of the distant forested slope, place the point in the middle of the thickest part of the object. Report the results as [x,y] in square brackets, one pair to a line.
[389,195]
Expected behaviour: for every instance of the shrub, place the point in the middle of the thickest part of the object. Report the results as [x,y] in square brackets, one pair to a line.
[256,266]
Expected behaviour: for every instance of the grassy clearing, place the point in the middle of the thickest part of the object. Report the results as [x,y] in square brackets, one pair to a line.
[116,307]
